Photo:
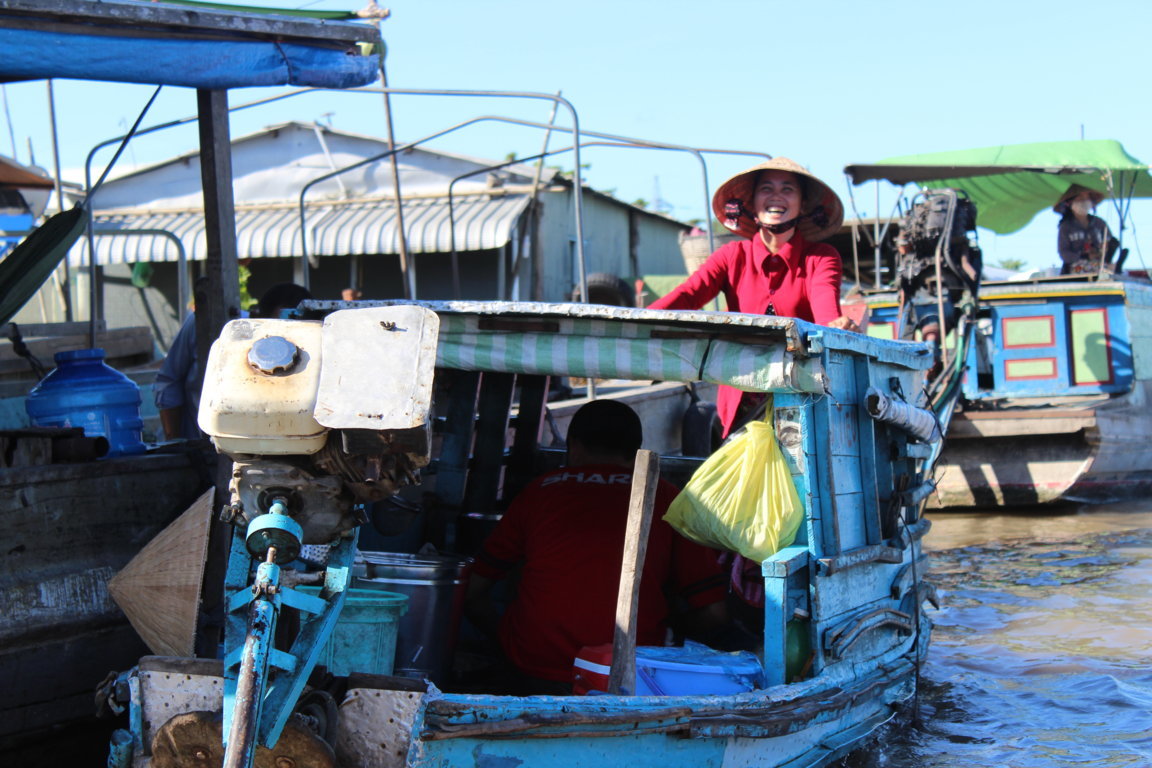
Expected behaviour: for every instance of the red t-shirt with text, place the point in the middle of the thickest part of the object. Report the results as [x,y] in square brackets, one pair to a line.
[567,531]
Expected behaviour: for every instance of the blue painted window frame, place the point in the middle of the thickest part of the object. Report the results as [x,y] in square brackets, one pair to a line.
[1062,383]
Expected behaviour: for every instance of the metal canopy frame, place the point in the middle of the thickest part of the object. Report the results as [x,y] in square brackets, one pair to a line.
[612,140]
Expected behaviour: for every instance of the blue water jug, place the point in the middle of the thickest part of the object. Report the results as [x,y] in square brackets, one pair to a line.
[83,391]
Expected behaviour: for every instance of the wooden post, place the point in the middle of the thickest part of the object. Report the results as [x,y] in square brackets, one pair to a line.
[644,480]
[521,467]
[221,262]
[222,269]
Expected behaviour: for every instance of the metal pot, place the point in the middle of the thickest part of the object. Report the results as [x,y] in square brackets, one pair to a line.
[435,586]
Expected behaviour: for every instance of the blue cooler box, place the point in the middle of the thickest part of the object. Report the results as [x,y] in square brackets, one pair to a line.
[690,670]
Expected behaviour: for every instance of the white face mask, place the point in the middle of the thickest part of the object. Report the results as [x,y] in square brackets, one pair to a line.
[1082,207]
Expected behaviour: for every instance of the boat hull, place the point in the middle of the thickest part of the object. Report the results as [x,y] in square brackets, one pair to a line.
[68,529]
[1026,457]
[770,728]
[787,726]
[1055,396]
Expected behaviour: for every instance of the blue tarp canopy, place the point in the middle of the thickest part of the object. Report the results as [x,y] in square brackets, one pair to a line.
[169,44]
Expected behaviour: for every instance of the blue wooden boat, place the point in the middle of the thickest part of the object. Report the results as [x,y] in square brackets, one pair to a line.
[1056,384]
[849,589]
[1056,398]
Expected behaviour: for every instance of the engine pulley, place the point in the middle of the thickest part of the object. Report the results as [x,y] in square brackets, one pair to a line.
[274,530]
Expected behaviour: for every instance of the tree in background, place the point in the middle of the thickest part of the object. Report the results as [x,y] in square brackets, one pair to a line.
[247,300]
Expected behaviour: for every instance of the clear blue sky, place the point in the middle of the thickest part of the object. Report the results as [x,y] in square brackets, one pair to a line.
[826,84]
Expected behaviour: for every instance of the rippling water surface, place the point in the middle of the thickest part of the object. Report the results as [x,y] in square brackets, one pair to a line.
[1042,649]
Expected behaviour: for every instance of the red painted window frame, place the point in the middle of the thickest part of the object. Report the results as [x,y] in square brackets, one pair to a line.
[1055,368]
[1051,331]
[1107,349]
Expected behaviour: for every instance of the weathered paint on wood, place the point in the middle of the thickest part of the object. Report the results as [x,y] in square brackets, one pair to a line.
[67,529]
[640,505]
[164,18]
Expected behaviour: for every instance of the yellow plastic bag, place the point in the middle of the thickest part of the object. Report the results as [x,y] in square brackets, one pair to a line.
[742,497]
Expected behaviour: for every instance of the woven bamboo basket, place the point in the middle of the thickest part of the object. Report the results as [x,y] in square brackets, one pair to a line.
[694,248]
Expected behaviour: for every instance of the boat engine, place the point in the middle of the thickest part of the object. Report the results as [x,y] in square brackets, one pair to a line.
[317,417]
[306,411]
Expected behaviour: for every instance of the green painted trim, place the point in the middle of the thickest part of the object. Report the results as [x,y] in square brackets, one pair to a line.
[330,15]
[991,296]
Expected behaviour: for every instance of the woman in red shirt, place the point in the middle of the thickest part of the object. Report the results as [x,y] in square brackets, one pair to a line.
[781,269]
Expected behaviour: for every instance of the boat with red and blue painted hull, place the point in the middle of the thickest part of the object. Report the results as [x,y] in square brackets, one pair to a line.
[1055,394]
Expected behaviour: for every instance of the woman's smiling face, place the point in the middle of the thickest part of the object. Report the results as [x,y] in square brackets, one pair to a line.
[777,197]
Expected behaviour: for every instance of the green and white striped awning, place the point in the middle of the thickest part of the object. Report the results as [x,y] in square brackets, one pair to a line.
[577,347]
[754,353]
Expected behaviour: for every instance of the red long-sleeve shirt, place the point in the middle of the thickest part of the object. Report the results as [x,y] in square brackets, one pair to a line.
[802,280]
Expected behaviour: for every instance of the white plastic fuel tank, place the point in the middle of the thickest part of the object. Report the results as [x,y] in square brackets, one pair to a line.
[260,388]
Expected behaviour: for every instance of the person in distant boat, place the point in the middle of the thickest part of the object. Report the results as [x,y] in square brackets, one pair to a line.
[1084,241]
[781,269]
[176,390]
[565,533]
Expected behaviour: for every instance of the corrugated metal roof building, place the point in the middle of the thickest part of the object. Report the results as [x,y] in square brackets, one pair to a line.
[365,226]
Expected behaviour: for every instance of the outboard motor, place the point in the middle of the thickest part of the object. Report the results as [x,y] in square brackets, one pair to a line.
[318,418]
[940,261]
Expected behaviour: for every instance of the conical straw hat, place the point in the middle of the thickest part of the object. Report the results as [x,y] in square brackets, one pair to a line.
[1073,191]
[159,590]
[823,211]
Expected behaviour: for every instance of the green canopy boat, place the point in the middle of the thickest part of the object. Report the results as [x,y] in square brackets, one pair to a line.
[1011,183]
[1060,368]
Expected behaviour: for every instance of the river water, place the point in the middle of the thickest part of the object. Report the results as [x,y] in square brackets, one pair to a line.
[1041,653]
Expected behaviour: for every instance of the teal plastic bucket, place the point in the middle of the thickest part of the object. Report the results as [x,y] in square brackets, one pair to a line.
[364,639]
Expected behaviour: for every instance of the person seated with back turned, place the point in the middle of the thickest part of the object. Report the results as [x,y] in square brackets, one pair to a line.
[566,531]
[1085,243]
[781,269]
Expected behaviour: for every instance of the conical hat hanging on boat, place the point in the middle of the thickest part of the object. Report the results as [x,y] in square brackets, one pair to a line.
[159,589]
